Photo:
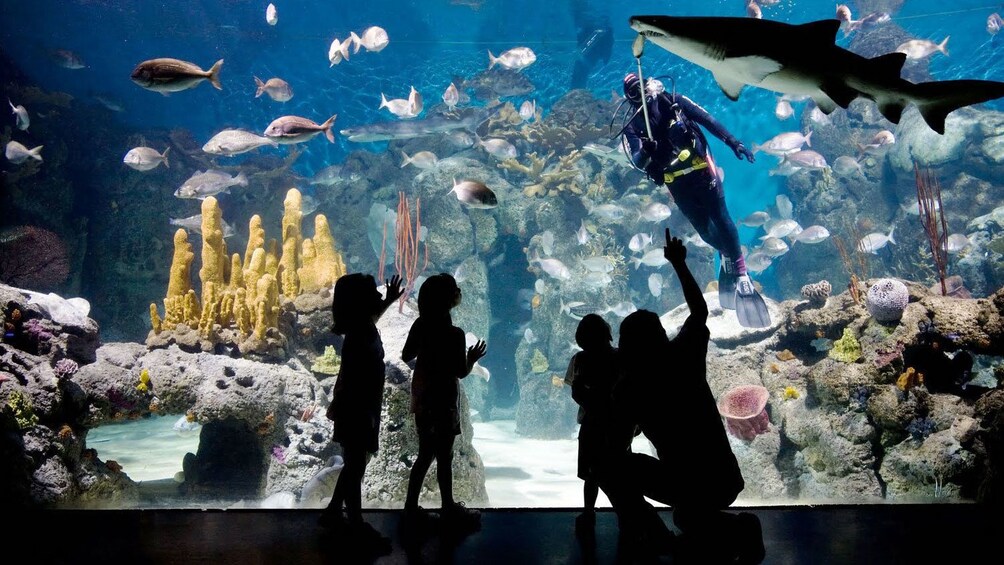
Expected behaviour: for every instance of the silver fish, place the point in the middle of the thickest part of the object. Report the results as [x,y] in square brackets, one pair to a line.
[547,242]
[338,51]
[276,88]
[166,75]
[783,109]
[920,48]
[847,166]
[612,154]
[655,284]
[553,267]
[422,160]
[639,241]
[609,212]
[758,261]
[994,23]
[528,110]
[146,158]
[17,153]
[209,183]
[21,116]
[400,107]
[582,235]
[784,143]
[756,219]
[811,234]
[775,247]
[451,96]
[957,242]
[807,159]
[621,309]
[516,59]
[499,148]
[232,142]
[271,15]
[655,212]
[879,144]
[474,194]
[194,224]
[309,204]
[872,242]
[598,264]
[780,228]
[373,38]
[328,176]
[294,129]
[653,258]
[784,205]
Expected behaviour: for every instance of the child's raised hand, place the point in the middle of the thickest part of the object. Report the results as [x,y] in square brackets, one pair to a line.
[674,250]
[476,351]
[393,288]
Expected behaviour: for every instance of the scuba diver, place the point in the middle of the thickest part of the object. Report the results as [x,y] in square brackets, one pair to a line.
[594,39]
[663,139]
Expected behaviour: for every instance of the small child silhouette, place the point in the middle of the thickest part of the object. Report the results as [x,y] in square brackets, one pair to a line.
[437,347]
[592,374]
[358,396]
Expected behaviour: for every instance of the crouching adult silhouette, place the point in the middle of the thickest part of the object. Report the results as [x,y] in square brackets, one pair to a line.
[665,392]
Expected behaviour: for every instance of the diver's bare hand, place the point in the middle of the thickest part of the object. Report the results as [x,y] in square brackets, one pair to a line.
[674,251]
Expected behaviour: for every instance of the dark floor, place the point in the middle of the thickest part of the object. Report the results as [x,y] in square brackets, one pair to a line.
[886,534]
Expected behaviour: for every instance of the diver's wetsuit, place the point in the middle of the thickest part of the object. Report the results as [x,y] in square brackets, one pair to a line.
[698,194]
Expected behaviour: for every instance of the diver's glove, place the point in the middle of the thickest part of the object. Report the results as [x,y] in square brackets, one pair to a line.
[656,173]
[742,152]
[649,146]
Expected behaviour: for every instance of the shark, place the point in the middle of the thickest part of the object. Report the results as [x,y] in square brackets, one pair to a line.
[803,60]
[466,118]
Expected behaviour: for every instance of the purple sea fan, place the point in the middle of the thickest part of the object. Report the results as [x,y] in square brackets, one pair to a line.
[279,453]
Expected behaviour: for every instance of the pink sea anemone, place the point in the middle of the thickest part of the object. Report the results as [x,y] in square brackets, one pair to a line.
[745,411]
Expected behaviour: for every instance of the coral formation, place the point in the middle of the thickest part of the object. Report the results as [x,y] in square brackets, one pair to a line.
[562,177]
[327,363]
[817,293]
[909,379]
[784,355]
[847,348]
[241,298]
[887,299]
[65,368]
[144,381]
[24,412]
[538,363]
[745,411]
[790,393]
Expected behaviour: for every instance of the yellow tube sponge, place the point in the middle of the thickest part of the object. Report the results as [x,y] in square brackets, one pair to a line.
[322,263]
[266,311]
[256,238]
[272,258]
[213,251]
[178,307]
[291,241]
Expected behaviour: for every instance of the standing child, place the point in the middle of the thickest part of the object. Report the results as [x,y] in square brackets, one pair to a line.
[358,394]
[592,374]
[438,348]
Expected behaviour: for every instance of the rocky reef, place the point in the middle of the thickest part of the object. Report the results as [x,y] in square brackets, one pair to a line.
[263,434]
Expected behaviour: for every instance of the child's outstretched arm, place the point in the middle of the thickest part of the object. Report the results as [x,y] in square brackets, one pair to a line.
[393,293]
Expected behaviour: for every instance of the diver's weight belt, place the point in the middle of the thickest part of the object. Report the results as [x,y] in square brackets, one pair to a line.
[698,164]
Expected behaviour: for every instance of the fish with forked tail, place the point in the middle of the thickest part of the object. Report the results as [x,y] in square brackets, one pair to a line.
[294,129]
[166,75]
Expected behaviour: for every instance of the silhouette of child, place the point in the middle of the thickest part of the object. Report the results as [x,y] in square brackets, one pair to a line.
[437,347]
[358,394]
[592,374]
[666,394]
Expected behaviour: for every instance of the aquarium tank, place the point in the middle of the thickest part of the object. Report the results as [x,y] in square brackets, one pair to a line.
[184,182]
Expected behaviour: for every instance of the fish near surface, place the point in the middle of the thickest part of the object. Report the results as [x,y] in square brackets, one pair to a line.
[802,59]
[166,75]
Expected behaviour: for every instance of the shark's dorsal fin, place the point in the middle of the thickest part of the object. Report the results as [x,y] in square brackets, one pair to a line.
[821,30]
[891,63]
[730,86]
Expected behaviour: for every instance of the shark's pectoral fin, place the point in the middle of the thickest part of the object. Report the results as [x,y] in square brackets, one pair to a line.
[891,110]
[755,66]
[730,86]
[824,104]
[839,92]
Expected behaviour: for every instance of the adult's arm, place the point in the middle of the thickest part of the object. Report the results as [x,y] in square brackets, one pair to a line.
[676,253]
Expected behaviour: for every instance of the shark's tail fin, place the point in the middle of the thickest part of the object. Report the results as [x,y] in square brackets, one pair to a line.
[936,100]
